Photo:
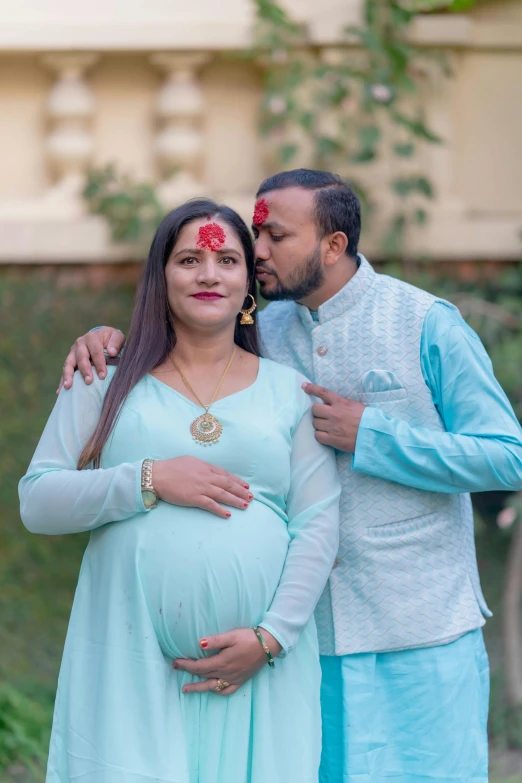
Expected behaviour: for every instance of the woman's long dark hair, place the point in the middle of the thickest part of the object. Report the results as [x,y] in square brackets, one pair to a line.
[151,335]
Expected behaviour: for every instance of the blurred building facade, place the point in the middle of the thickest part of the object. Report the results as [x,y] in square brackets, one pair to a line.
[150,86]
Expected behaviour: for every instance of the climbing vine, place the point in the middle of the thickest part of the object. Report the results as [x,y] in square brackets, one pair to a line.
[354,106]
[132,208]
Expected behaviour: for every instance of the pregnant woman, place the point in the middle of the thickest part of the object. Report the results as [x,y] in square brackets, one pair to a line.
[212,507]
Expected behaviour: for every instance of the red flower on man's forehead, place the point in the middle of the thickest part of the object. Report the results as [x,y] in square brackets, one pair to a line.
[261,212]
[211,236]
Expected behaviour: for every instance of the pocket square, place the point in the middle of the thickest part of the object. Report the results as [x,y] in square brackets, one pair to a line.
[380,381]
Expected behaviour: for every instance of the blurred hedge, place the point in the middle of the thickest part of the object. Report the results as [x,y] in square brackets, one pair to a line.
[39,319]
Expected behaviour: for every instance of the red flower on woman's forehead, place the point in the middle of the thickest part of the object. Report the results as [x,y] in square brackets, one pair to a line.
[211,236]
[261,212]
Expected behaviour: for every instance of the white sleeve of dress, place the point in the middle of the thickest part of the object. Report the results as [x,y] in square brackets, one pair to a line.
[57,498]
[313,524]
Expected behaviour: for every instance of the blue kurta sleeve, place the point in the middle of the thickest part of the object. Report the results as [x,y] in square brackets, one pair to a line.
[313,524]
[57,498]
[482,447]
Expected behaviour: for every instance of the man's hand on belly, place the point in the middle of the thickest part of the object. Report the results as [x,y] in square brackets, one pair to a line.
[240,657]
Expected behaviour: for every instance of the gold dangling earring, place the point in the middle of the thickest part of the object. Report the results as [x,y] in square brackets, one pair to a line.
[246,315]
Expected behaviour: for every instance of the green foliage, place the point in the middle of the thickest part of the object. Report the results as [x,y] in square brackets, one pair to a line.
[455,6]
[24,731]
[422,6]
[355,106]
[39,319]
[404,186]
[130,207]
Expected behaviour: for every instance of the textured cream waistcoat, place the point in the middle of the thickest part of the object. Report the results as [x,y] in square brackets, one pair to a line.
[406,573]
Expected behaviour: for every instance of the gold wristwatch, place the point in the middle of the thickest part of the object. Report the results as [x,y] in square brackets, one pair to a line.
[148,493]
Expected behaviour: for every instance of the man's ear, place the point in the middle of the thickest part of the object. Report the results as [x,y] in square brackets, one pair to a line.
[336,247]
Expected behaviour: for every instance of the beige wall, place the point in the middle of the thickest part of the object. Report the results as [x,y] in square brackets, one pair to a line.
[124,88]
[108,111]
[23,89]
[488,124]
[233,151]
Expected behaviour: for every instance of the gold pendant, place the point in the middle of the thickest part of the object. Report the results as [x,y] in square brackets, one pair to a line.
[206,429]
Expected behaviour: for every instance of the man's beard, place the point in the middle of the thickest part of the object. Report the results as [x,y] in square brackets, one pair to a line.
[304,280]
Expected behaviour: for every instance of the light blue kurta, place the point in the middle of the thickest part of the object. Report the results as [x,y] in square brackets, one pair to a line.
[153,583]
[414,716]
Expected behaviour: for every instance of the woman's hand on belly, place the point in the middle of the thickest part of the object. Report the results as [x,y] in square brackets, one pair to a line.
[240,658]
[188,481]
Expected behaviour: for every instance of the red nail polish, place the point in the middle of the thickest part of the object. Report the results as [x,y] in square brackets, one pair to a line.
[245,505]
[247,486]
[175,666]
[250,496]
[203,643]
[229,514]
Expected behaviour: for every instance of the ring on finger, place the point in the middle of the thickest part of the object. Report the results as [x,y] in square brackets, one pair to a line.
[221,685]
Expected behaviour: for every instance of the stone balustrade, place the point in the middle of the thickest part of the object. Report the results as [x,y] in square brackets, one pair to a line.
[180,107]
[69,145]
[184,115]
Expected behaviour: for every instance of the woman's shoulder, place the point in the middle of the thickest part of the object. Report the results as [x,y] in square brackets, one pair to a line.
[96,389]
[283,373]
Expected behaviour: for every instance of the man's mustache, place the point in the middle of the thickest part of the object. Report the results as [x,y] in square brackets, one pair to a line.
[260,265]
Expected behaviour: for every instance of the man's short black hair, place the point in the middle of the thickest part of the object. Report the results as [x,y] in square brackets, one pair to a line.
[337,208]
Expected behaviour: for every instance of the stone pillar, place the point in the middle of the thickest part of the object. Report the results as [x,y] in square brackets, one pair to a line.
[179,142]
[442,110]
[69,145]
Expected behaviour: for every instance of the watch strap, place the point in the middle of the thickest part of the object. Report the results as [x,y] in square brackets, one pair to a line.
[149,494]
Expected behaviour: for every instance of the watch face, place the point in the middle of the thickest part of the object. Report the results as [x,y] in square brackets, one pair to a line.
[149,498]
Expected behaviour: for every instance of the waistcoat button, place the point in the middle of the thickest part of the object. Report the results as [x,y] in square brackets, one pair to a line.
[322,350]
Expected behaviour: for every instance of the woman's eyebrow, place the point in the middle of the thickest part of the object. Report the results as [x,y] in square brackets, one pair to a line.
[199,251]
[194,251]
[229,251]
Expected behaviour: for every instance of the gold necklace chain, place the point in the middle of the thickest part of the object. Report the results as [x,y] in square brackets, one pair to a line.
[218,387]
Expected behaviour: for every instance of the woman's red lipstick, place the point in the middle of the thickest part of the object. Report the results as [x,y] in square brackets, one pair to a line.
[207,296]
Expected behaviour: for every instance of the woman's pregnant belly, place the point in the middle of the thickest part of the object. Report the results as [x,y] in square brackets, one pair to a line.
[203,575]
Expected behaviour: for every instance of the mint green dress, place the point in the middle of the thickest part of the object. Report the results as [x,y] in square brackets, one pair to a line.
[152,583]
